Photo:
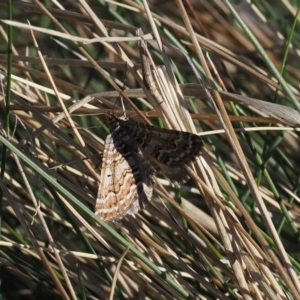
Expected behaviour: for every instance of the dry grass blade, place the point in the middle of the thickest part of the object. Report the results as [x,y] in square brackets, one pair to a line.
[229,233]
[117,272]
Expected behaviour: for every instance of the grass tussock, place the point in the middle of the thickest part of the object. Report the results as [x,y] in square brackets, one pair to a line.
[230,74]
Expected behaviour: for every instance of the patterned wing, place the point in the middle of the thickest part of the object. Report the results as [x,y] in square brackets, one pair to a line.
[168,150]
[126,181]
[170,147]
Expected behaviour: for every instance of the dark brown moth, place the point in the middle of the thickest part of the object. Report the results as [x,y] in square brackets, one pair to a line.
[133,153]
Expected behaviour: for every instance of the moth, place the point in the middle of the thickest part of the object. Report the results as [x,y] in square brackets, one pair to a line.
[133,153]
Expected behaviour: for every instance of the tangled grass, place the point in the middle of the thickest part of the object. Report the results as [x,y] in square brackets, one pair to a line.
[231,232]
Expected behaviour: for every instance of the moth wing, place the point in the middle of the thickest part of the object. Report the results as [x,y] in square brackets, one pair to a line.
[168,147]
[126,181]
